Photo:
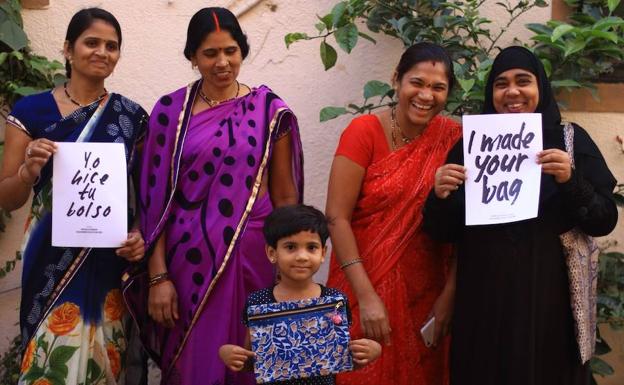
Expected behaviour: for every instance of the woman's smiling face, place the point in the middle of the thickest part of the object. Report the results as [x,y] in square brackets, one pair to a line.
[422,92]
[96,51]
[218,59]
[514,91]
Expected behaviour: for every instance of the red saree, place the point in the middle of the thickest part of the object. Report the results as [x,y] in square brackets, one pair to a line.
[406,268]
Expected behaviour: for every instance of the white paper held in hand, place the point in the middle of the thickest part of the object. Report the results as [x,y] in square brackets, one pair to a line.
[503,177]
[89,195]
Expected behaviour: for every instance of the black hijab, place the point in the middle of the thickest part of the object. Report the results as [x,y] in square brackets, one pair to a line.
[520,57]
[552,129]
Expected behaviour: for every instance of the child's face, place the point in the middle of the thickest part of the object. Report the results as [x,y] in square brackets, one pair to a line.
[298,256]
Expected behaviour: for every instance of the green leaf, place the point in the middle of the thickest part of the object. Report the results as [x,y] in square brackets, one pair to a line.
[25,91]
[574,46]
[543,39]
[337,12]
[608,22]
[320,27]
[619,200]
[541,3]
[328,55]
[367,37]
[3,57]
[12,35]
[376,88]
[42,343]
[33,373]
[547,66]
[93,369]
[328,113]
[327,20]
[565,83]
[560,31]
[59,79]
[61,354]
[347,37]
[18,55]
[13,11]
[57,375]
[293,37]
[439,21]
[602,347]
[612,4]
[615,255]
[539,28]
[600,367]
[605,35]
[466,84]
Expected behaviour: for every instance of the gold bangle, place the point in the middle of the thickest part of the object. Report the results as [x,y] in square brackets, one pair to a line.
[21,178]
[349,263]
[158,278]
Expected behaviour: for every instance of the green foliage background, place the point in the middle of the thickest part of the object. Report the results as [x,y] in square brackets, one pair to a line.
[574,53]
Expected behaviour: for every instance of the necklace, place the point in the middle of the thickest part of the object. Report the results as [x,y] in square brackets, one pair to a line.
[394,127]
[212,102]
[99,98]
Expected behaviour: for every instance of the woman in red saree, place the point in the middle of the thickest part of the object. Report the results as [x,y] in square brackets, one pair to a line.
[395,276]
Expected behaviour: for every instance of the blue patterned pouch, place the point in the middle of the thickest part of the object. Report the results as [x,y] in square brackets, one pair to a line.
[300,339]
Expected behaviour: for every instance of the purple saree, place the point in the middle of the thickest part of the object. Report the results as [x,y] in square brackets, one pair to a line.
[200,184]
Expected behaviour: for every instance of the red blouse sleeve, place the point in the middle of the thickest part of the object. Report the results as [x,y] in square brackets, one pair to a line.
[357,141]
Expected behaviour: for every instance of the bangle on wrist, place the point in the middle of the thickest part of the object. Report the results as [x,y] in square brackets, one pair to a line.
[158,278]
[352,262]
[21,177]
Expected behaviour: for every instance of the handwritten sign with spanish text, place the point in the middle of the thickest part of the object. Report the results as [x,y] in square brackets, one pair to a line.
[89,195]
[503,178]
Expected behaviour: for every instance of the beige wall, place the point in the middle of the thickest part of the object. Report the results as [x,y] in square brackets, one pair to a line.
[152,63]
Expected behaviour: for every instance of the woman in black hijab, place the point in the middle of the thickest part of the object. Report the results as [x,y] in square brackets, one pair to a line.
[513,322]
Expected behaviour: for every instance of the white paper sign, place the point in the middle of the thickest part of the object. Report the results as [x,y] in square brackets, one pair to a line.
[503,178]
[89,195]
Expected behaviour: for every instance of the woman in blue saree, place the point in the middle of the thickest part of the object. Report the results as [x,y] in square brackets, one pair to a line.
[72,318]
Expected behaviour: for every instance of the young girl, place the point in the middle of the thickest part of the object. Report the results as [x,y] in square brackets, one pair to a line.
[296,243]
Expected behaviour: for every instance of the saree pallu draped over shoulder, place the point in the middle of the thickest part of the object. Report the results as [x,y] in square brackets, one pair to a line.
[200,189]
[72,317]
[406,268]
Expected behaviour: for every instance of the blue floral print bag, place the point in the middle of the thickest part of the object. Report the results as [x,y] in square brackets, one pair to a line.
[300,339]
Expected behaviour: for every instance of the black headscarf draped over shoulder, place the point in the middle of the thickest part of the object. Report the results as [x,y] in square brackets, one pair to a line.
[520,57]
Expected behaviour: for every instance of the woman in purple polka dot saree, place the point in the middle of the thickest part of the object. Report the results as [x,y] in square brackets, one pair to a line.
[211,172]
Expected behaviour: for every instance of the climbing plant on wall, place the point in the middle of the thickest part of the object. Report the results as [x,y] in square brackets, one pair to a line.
[21,71]
[573,53]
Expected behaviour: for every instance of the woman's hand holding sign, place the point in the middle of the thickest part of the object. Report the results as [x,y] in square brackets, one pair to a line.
[448,178]
[556,162]
[133,248]
[37,154]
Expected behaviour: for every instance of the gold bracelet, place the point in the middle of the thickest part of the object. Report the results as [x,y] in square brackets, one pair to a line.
[21,178]
[158,278]
[349,263]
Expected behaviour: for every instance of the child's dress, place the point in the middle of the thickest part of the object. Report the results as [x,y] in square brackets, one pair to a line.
[265,296]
